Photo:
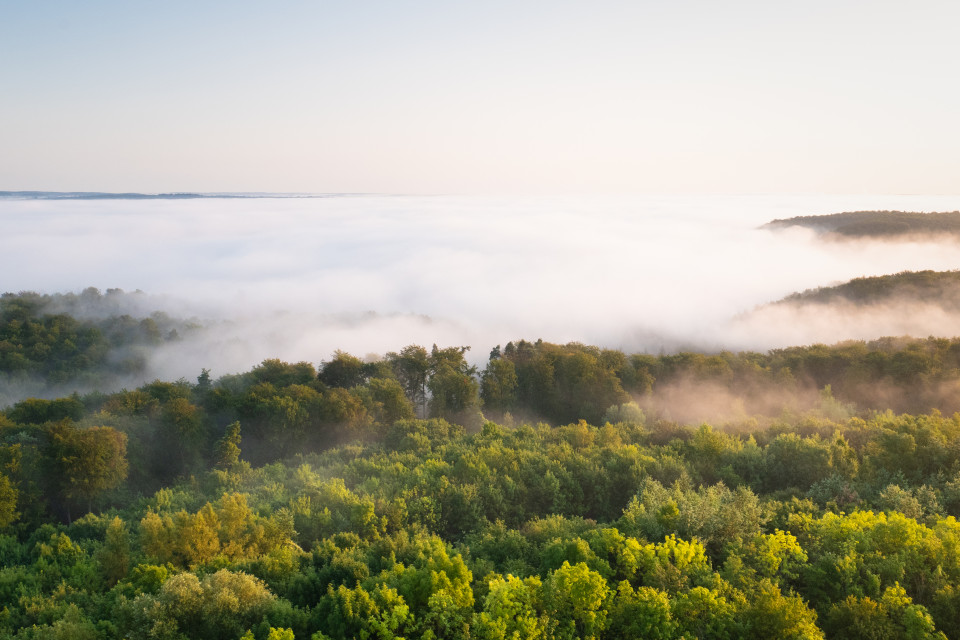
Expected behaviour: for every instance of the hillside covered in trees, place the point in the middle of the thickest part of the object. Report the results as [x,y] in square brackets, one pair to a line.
[555,493]
[875,224]
[917,303]
[89,340]
[909,287]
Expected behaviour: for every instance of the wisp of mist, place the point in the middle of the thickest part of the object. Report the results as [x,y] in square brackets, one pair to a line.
[297,278]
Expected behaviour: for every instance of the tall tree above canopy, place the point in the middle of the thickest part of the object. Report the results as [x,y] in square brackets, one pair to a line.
[498,385]
[344,371]
[454,391]
[412,367]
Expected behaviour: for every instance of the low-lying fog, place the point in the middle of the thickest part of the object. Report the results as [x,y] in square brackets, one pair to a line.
[299,278]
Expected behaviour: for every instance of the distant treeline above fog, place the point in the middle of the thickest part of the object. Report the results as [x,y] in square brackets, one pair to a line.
[940,287]
[875,224]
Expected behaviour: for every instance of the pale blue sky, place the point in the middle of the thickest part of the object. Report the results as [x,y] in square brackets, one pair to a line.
[433,97]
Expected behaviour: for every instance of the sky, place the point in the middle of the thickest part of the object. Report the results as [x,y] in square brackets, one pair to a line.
[492,97]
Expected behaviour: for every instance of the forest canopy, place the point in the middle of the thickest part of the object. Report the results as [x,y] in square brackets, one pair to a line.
[552,491]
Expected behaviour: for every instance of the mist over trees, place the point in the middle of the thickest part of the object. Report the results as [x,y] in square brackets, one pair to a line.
[90,340]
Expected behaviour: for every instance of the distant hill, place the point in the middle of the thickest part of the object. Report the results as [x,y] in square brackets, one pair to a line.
[933,287]
[875,224]
[52,344]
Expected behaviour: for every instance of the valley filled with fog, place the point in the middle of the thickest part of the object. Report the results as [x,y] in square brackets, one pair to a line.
[299,277]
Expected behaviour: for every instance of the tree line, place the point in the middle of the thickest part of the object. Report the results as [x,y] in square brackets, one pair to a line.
[876,224]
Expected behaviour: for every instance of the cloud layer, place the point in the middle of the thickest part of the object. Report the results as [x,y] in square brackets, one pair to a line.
[298,278]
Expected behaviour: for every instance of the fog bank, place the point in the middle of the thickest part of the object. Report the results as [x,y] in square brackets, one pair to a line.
[299,278]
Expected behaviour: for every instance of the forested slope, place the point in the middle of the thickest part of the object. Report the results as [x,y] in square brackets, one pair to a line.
[908,287]
[88,340]
[876,224]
